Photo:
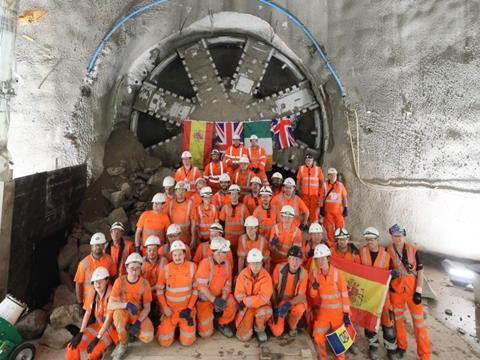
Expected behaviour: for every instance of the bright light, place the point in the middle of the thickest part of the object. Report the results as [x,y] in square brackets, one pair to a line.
[461,274]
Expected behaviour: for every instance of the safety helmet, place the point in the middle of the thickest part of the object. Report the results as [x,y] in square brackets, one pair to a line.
[217,243]
[98,239]
[117,225]
[315,228]
[178,245]
[244,160]
[295,251]
[256,180]
[216,226]
[253,137]
[134,258]
[159,198]
[254,256]
[186,155]
[234,187]
[289,182]
[308,156]
[215,152]
[321,250]
[100,273]
[397,229]
[341,233]
[206,191]
[277,175]
[181,185]
[168,181]
[224,178]
[251,221]
[332,171]
[152,240]
[371,232]
[287,210]
[173,229]
[266,190]
[226,246]
[236,137]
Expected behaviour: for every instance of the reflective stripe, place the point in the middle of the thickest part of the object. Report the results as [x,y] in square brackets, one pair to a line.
[187,334]
[331,306]
[337,198]
[383,259]
[206,333]
[206,321]
[177,299]
[417,316]
[200,210]
[186,222]
[320,330]
[166,336]
[248,301]
[152,232]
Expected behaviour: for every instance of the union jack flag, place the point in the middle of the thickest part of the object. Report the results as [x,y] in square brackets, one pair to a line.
[224,132]
[282,130]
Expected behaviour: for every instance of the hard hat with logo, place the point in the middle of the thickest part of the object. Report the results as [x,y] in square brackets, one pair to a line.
[98,239]
[244,160]
[216,226]
[277,175]
[253,137]
[152,240]
[234,187]
[134,258]
[173,229]
[181,185]
[287,210]
[332,171]
[256,180]
[254,256]
[371,232]
[206,191]
[289,182]
[178,245]
[266,190]
[224,178]
[397,229]
[186,155]
[321,250]
[315,228]
[295,251]
[159,198]
[100,273]
[117,225]
[251,221]
[217,243]
[341,233]
[168,181]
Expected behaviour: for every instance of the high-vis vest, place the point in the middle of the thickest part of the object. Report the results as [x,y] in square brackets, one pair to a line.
[283,275]
[332,290]
[220,199]
[133,293]
[310,179]
[285,242]
[179,284]
[382,261]
[407,281]
[260,243]
[179,214]
[242,178]
[213,171]
[205,218]
[233,154]
[87,266]
[254,292]
[151,271]
[251,202]
[267,218]
[333,203]
[234,220]
[189,176]
[257,156]
[218,279]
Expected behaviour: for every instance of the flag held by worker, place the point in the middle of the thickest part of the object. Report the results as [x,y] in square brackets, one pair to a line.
[262,129]
[367,290]
[224,132]
[283,132]
[198,139]
[341,339]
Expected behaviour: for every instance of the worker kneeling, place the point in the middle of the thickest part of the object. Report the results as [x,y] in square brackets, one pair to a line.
[130,302]
[214,280]
[253,292]
[177,296]
[96,333]
[290,282]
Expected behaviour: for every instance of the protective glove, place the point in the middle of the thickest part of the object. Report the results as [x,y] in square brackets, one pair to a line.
[394,273]
[132,308]
[315,285]
[189,321]
[346,319]
[76,340]
[92,345]
[274,240]
[284,308]
[311,252]
[185,313]
[219,304]
[345,212]
[137,250]
[241,306]
[417,298]
[322,211]
[135,328]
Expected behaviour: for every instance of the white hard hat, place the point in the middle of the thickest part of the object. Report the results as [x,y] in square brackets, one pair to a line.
[254,256]
[236,137]
[315,228]
[287,210]
[244,160]
[251,221]
[186,155]
[168,181]
[341,233]
[253,137]
[332,171]
[217,243]
[321,250]
[98,239]
[226,246]
[289,182]
[181,185]
[152,240]
[117,225]
[371,232]
[173,229]
[234,187]
[100,273]
[277,175]
[224,178]
[256,180]
[266,190]
[216,226]
[159,198]
[206,191]
[134,258]
[178,245]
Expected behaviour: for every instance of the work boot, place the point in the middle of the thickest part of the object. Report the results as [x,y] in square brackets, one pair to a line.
[119,351]
[293,332]
[400,353]
[393,355]
[225,330]
[261,336]
[373,353]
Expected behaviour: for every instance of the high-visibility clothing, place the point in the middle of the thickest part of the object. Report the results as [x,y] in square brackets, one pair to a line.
[166,329]
[266,219]
[153,223]
[288,286]
[309,180]
[331,299]
[407,282]
[245,244]
[294,201]
[251,202]
[203,251]
[124,318]
[220,199]
[258,160]
[196,199]
[87,266]
[188,176]
[212,174]
[119,253]
[332,221]
[234,218]
[151,271]
[205,315]
[203,218]
[350,255]
[233,155]
[164,251]
[242,178]
[286,239]
[277,190]
[181,214]
[333,197]
[255,293]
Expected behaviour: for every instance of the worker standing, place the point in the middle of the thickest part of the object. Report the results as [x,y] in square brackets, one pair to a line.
[222,197]
[243,175]
[215,300]
[315,232]
[177,295]
[406,290]
[187,173]
[252,240]
[329,289]
[288,197]
[203,216]
[252,200]
[232,217]
[276,183]
[333,203]
[130,302]
[168,188]
[214,169]
[119,248]
[196,198]
[96,333]
[152,222]
[180,212]
[310,179]
[343,247]
[266,213]
[253,291]
[233,154]
[258,158]
[289,299]
[174,233]
[86,267]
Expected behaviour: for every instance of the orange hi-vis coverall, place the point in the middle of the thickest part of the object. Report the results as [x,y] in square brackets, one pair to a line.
[309,180]
[288,286]
[139,294]
[295,201]
[234,218]
[212,174]
[217,278]
[260,243]
[350,255]
[181,214]
[153,223]
[286,239]
[251,202]
[177,290]
[401,295]
[332,299]
[242,178]
[255,292]
[119,253]
[333,198]
[196,199]
[220,199]
[267,218]
[258,160]
[164,251]
[87,266]
[188,176]
[100,312]
[203,251]
[233,155]
[151,271]
[203,218]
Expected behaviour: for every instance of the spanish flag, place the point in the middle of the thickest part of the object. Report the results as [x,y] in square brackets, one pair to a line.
[367,290]
[198,139]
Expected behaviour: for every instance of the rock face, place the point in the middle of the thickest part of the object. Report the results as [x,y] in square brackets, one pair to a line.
[67,255]
[33,324]
[64,296]
[55,338]
[66,315]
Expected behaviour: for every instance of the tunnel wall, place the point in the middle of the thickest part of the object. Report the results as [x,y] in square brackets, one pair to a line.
[410,69]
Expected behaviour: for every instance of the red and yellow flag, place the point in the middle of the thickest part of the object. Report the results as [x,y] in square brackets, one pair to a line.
[198,139]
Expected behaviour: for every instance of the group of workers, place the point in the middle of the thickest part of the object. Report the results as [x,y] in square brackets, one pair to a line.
[239,253]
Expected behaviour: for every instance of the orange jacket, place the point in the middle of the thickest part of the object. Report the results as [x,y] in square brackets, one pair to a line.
[256,291]
[219,199]
[139,293]
[266,219]
[212,172]
[87,266]
[176,286]
[407,281]
[189,176]
[295,201]
[119,254]
[152,270]
[203,251]
[260,243]
[196,199]
[101,310]
[336,199]
[203,218]
[216,277]
[382,261]
[153,223]
[242,178]
[257,156]
[332,291]
[286,239]
[234,219]
[292,288]
[350,255]
[180,214]
[164,251]
[309,180]
[251,202]
[233,154]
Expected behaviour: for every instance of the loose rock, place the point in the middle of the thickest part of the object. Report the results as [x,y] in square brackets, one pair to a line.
[33,324]
[115,171]
[64,296]
[55,338]
[448,312]
[117,215]
[66,315]
[68,255]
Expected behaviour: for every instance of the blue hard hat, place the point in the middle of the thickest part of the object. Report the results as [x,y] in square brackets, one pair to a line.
[397,229]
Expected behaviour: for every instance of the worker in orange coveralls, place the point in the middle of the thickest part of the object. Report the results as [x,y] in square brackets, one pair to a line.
[343,247]
[258,158]
[214,169]
[309,181]
[232,217]
[188,173]
[233,154]
[119,248]
[252,240]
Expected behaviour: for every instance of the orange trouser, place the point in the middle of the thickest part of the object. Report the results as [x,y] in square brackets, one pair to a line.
[122,318]
[205,316]
[327,320]
[90,333]
[311,201]
[244,321]
[168,324]
[293,317]
[331,222]
[423,344]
